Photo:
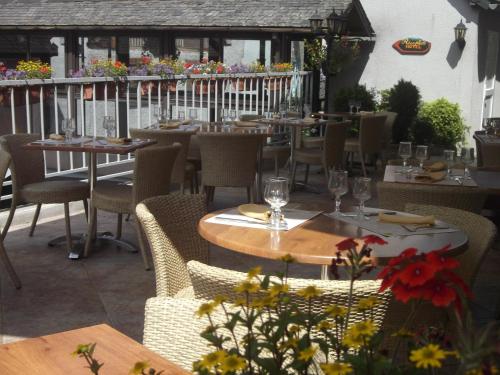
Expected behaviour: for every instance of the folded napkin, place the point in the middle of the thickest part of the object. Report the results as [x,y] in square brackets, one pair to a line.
[56,137]
[436,167]
[255,211]
[403,219]
[170,125]
[118,141]
[430,176]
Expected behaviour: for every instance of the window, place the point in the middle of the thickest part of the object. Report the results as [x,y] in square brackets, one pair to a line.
[49,49]
[13,47]
[130,49]
[97,48]
[192,50]
[237,51]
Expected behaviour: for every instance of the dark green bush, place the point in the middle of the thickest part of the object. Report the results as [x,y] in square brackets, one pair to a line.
[404,99]
[439,123]
[358,92]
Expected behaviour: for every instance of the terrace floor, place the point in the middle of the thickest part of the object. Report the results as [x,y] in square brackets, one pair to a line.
[111,286]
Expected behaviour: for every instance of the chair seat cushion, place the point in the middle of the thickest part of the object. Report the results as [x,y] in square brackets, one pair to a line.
[351,145]
[313,142]
[113,197]
[309,156]
[55,191]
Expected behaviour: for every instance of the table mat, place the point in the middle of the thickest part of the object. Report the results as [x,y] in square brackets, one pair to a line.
[392,175]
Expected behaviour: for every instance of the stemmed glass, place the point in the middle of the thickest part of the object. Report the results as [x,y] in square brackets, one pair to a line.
[467,158]
[181,115]
[224,114]
[109,124]
[338,186]
[405,153]
[68,127]
[232,115]
[193,114]
[449,158]
[421,155]
[362,192]
[277,195]
[161,117]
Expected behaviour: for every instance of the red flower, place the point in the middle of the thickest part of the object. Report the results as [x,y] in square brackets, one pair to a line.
[347,244]
[146,60]
[372,239]
[220,69]
[404,293]
[389,276]
[457,281]
[196,71]
[439,293]
[187,65]
[408,253]
[440,261]
[417,273]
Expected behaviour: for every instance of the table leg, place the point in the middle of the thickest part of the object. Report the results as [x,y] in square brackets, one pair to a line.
[324,272]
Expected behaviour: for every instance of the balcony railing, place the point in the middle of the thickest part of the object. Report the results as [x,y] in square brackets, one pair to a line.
[38,106]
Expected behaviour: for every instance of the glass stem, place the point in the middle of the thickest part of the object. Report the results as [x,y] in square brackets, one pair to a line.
[276,217]
[361,210]
[404,163]
[337,204]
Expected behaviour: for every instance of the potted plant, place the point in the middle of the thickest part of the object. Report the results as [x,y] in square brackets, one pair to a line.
[101,68]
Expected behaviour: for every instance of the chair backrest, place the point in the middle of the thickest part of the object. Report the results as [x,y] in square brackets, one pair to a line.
[229,159]
[170,223]
[4,166]
[26,167]
[394,196]
[488,154]
[480,232]
[153,170]
[389,122]
[371,133]
[167,138]
[333,148]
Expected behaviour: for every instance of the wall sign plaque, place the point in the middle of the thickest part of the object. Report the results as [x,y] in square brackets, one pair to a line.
[412,46]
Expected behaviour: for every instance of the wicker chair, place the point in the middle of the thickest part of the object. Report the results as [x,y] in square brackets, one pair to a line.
[152,170]
[170,223]
[171,330]
[29,184]
[370,140]
[394,196]
[4,165]
[328,156]
[183,170]
[488,155]
[229,160]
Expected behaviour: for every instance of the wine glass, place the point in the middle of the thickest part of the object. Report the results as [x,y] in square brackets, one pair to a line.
[193,114]
[232,115]
[161,117]
[362,192]
[277,195]
[224,114]
[109,124]
[467,157]
[338,186]
[405,153]
[421,155]
[68,127]
[181,115]
[449,158]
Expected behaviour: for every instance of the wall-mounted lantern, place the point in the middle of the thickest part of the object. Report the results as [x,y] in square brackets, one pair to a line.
[460,31]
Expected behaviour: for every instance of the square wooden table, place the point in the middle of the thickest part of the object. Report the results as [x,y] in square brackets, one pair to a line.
[51,354]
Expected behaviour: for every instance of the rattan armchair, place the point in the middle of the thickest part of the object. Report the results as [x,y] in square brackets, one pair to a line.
[152,172]
[229,160]
[370,140]
[4,165]
[183,171]
[29,184]
[394,196]
[170,223]
[330,155]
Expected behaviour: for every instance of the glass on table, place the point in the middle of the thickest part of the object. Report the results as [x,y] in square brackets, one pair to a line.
[449,158]
[224,115]
[161,117]
[338,186]
[181,116]
[193,114]
[467,157]
[276,193]
[68,127]
[421,155]
[109,124]
[362,192]
[405,153]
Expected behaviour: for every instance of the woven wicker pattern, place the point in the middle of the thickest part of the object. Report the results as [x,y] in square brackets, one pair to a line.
[394,196]
[480,231]
[170,224]
[4,165]
[166,138]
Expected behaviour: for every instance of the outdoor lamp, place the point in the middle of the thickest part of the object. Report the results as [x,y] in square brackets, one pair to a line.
[460,31]
[316,23]
[336,23]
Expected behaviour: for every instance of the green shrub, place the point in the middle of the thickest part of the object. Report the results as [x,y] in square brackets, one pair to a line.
[358,92]
[439,123]
[404,99]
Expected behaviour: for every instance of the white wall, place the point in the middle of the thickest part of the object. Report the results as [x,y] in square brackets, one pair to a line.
[444,71]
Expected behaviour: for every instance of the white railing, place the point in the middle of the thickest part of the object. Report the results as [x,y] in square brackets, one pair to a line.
[38,106]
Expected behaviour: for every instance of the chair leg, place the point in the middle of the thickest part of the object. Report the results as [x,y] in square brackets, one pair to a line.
[91,230]
[8,265]
[119,226]
[69,240]
[142,245]
[9,219]
[35,219]
[306,178]
[86,208]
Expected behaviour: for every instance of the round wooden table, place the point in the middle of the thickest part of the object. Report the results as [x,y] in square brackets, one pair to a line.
[314,241]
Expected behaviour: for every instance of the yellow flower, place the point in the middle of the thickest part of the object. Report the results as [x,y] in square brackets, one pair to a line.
[218,300]
[324,325]
[306,354]
[212,359]
[367,303]
[428,356]
[365,328]
[287,258]
[239,302]
[254,272]
[482,371]
[352,341]
[276,289]
[336,368]
[247,286]
[139,367]
[309,292]
[205,309]
[290,343]
[232,363]
[336,311]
